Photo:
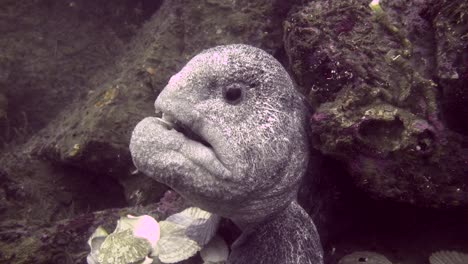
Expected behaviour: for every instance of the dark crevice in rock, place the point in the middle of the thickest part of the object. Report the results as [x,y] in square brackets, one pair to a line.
[384,134]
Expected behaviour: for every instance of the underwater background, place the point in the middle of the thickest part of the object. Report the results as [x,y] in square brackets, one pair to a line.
[388,86]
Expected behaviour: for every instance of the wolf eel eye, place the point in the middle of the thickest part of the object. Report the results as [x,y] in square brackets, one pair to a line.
[233,95]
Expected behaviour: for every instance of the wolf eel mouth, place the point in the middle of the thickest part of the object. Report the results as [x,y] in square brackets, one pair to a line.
[196,147]
[170,122]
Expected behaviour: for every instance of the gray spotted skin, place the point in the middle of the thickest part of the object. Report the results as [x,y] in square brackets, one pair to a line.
[257,152]
[289,238]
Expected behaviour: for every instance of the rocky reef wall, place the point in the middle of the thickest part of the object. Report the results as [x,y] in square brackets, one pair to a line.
[388,89]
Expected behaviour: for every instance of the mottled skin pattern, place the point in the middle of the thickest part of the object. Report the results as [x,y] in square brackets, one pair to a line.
[254,155]
[290,237]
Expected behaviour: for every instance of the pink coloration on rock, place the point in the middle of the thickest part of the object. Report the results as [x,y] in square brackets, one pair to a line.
[422,125]
[435,121]
[171,203]
[318,117]
[422,104]
[355,165]
[439,127]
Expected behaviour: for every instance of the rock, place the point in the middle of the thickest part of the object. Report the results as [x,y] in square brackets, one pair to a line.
[450,20]
[53,53]
[4,122]
[3,106]
[374,109]
[364,257]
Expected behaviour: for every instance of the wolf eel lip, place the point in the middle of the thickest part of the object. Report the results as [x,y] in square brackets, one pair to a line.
[169,122]
[205,156]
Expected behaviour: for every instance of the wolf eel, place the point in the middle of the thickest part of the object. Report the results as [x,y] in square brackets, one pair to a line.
[232,139]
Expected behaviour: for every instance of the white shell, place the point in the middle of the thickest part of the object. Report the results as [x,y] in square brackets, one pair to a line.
[171,229]
[98,233]
[364,257]
[184,234]
[199,225]
[148,260]
[173,249]
[203,230]
[94,243]
[187,216]
[91,260]
[448,257]
[216,251]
